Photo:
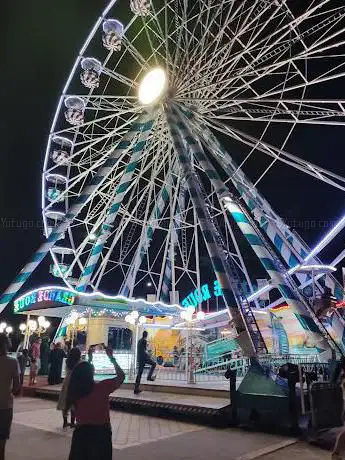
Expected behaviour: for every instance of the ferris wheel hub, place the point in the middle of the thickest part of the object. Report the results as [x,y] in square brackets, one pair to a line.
[153,87]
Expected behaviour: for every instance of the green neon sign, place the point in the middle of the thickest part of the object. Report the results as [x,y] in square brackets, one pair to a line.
[43,295]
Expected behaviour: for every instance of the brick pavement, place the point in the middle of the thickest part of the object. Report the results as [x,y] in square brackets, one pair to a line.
[37,434]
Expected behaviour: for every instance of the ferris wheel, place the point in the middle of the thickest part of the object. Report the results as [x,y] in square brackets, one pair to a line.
[147,170]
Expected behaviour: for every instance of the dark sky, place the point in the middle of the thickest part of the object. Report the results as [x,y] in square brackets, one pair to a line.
[39,41]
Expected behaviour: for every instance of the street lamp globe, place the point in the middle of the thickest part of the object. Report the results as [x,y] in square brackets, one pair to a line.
[22,327]
[9,329]
[41,321]
[135,314]
[32,325]
[142,319]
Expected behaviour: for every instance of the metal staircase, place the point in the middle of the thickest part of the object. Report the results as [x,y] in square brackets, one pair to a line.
[289,280]
[235,281]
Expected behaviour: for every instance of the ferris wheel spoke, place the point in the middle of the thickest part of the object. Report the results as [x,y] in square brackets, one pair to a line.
[121,190]
[201,45]
[148,229]
[196,66]
[86,126]
[281,111]
[122,104]
[280,155]
[274,50]
[193,22]
[127,218]
[100,148]
[119,77]
[162,34]
[182,36]
[332,73]
[228,64]
[274,44]
[209,55]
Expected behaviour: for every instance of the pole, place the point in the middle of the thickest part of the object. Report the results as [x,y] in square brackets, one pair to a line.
[313,281]
[191,377]
[73,331]
[136,341]
[87,344]
[187,356]
[300,374]
[27,333]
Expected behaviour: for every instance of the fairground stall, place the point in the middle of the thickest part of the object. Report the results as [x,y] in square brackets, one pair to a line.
[188,345]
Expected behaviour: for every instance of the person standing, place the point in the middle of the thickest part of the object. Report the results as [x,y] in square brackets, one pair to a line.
[36,353]
[92,438]
[72,360]
[57,356]
[44,356]
[143,358]
[33,372]
[339,378]
[23,360]
[9,386]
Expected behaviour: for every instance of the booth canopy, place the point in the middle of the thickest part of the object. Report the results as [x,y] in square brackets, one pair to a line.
[55,301]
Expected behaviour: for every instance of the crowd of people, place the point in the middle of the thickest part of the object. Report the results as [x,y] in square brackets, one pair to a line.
[83,402]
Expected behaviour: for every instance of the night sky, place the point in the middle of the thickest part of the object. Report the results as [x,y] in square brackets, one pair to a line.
[39,41]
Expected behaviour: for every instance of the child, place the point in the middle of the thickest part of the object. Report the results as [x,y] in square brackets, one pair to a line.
[72,361]
[33,371]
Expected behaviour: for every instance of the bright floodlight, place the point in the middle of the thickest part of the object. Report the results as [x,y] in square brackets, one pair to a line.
[200,315]
[152,86]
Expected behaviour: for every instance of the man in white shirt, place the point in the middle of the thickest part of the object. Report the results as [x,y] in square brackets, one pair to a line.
[9,385]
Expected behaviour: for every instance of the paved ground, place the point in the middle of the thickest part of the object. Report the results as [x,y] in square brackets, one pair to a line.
[37,434]
[161,397]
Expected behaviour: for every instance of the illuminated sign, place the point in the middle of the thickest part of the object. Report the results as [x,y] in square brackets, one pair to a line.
[210,291]
[44,295]
[205,292]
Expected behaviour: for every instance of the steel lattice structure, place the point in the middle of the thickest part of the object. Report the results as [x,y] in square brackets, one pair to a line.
[134,194]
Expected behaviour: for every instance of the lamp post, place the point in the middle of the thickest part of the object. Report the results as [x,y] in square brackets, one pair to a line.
[189,316]
[43,325]
[31,328]
[71,321]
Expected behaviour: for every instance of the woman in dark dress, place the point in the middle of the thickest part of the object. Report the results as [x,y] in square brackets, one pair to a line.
[44,356]
[56,358]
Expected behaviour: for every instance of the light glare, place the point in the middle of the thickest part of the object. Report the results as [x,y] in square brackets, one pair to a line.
[152,86]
